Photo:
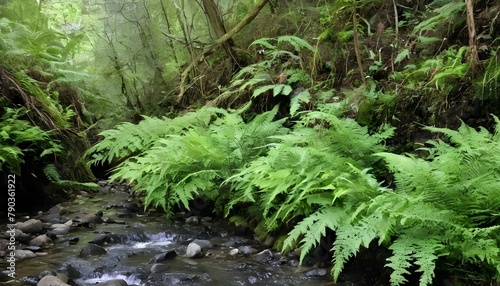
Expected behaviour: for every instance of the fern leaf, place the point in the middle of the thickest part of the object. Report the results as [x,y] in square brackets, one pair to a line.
[264,42]
[52,174]
[296,42]
[260,90]
[297,100]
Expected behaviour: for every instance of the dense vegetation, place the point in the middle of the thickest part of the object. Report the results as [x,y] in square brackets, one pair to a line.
[310,127]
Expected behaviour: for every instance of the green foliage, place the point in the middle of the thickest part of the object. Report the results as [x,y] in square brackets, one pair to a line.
[307,168]
[488,86]
[172,161]
[278,71]
[448,12]
[54,177]
[443,207]
[456,201]
[18,137]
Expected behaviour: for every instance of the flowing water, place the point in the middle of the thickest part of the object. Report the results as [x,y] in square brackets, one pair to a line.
[139,237]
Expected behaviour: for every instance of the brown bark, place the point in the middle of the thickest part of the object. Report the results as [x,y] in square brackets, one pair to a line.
[210,49]
[171,44]
[473,57]
[356,42]
[217,24]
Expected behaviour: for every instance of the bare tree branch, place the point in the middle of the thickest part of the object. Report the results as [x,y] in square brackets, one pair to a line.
[210,49]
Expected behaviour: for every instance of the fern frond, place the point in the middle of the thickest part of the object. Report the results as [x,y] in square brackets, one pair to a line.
[419,249]
[296,42]
[52,174]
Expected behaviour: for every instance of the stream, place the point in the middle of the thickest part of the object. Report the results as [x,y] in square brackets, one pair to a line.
[129,247]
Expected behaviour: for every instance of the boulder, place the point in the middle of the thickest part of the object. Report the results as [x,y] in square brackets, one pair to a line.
[106,238]
[158,267]
[163,256]
[203,243]
[58,209]
[42,240]
[264,256]
[33,248]
[50,280]
[247,250]
[30,226]
[60,231]
[20,236]
[92,250]
[194,251]
[59,225]
[91,219]
[23,254]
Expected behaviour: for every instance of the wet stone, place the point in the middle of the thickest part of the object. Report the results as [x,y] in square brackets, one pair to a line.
[59,210]
[92,250]
[264,256]
[30,226]
[60,231]
[158,267]
[194,251]
[51,235]
[193,220]
[23,254]
[33,248]
[73,240]
[50,280]
[163,256]
[53,218]
[317,273]
[114,282]
[247,250]
[203,243]
[252,279]
[47,273]
[230,243]
[106,239]
[30,280]
[42,240]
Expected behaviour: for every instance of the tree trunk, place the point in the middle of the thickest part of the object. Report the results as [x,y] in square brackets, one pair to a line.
[356,42]
[473,57]
[170,42]
[222,40]
[216,21]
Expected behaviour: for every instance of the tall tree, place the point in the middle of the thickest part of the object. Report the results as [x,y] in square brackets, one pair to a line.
[220,41]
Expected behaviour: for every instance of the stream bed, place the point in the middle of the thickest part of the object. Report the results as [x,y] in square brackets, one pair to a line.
[106,239]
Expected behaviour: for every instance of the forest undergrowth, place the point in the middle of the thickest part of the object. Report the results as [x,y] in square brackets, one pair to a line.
[379,130]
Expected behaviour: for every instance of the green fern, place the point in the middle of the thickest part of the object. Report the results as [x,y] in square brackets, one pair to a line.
[18,137]
[54,177]
[171,161]
[267,74]
[305,170]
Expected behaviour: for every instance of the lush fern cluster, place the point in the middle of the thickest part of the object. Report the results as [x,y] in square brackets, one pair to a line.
[316,177]
[305,168]
[446,205]
[18,137]
[173,160]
